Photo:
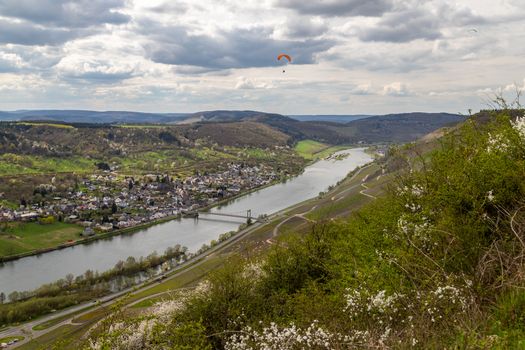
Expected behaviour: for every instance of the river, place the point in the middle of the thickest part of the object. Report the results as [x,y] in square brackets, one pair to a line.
[33,271]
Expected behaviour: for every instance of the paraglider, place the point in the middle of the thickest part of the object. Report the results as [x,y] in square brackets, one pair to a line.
[287,57]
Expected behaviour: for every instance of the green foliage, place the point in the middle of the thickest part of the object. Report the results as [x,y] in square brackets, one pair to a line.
[186,336]
[48,220]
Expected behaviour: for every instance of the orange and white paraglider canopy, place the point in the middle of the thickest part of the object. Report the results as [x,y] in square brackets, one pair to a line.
[283,55]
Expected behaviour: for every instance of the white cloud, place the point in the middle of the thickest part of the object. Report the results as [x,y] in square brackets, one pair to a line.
[396,89]
[244,83]
[362,89]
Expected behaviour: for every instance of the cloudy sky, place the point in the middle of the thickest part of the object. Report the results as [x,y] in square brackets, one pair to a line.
[349,56]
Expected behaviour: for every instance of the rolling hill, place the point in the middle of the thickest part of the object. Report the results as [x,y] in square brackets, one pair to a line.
[386,128]
[372,129]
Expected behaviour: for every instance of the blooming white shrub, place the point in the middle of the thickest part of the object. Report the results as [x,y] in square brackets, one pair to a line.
[415,190]
[497,143]
[254,270]
[292,337]
[519,126]
[129,336]
[136,333]
[418,228]
[386,316]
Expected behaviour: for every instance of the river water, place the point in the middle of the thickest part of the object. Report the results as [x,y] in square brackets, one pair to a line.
[31,272]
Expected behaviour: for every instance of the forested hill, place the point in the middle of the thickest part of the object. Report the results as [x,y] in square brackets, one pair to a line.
[388,128]
[436,262]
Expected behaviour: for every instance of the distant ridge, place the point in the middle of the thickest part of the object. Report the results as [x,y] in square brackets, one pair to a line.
[86,116]
[335,118]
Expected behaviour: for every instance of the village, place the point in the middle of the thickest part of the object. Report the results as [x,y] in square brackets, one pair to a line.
[107,201]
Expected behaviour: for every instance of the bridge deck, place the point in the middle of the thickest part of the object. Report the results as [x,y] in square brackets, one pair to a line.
[226,214]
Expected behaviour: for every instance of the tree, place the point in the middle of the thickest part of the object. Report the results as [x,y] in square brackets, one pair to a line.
[14,296]
[103,166]
[114,208]
[70,278]
[48,220]
[130,185]
[2,298]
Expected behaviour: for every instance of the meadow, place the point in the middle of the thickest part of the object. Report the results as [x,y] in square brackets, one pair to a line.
[17,238]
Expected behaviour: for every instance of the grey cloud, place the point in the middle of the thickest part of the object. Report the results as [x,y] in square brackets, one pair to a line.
[28,34]
[401,60]
[97,77]
[22,58]
[305,28]
[403,27]
[95,71]
[7,65]
[65,13]
[421,22]
[338,7]
[170,7]
[461,17]
[238,48]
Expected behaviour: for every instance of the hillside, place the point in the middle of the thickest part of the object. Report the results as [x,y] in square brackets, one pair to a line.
[92,140]
[388,128]
[435,262]
[33,153]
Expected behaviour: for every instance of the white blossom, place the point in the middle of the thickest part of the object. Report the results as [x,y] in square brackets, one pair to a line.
[519,126]
[289,337]
[497,143]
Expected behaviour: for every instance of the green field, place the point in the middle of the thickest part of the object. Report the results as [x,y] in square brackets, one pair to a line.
[12,164]
[141,126]
[313,150]
[54,125]
[25,237]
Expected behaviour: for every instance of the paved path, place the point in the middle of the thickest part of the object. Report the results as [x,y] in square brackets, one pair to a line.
[275,231]
[366,194]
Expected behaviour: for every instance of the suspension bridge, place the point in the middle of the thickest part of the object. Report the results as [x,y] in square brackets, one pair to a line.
[248,216]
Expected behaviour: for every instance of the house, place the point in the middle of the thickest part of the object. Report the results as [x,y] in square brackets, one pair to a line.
[28,216]
[88,231]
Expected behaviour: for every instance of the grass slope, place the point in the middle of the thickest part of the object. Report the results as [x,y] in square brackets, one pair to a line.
[24,237]
[313,150]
